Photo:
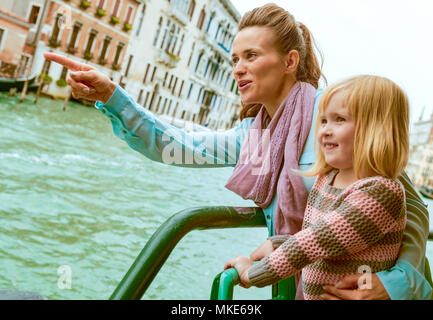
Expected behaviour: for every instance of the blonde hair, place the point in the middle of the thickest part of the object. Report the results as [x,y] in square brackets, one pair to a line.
[289,35]
[380,109]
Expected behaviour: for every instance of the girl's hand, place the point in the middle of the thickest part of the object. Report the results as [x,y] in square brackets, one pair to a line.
[242,265]
[347,289]
[85,81]
[264,250]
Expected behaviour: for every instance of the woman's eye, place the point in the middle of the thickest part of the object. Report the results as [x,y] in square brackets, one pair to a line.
[251,55]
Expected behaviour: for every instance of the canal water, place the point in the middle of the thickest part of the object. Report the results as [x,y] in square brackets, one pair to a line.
[76,203]
[75,200]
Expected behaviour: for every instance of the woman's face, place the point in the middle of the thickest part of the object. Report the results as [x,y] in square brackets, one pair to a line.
[258,68]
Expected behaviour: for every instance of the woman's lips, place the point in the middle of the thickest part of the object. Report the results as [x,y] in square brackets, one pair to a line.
[243,85]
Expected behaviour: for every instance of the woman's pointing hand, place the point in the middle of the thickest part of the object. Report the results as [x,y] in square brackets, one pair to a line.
[85,81]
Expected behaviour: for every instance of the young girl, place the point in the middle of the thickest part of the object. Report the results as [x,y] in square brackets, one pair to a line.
[355,214]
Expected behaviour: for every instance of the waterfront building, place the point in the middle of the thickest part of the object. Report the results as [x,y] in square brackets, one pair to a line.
[424,174]
[420,165]
[94,31]
[172,56]
[179,62]
[17,18]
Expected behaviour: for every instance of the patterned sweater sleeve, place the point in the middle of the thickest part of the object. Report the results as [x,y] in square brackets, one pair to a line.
[368,211]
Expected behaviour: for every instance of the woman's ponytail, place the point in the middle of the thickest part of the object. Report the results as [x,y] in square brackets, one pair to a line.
[309,69]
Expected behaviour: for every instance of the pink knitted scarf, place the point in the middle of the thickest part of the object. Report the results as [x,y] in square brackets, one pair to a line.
[268,156]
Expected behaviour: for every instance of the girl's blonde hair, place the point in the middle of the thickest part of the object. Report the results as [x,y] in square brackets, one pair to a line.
[289,35]
[380,109]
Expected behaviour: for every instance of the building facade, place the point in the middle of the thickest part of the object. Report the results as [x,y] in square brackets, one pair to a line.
[94,31]
[172,56]
[180,63]
[17,18]
[420,165]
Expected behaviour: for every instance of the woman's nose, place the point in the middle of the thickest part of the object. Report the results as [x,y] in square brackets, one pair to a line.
[239,68]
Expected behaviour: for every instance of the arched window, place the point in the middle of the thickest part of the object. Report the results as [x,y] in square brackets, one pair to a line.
[191,9]
[192,52]
[158,31]
[201,19]
[140,24]
[171,35]
[116,9]
[181,45]
[210,21]
[198,61]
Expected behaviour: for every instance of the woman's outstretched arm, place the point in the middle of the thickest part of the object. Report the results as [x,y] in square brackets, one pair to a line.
[163,142]
[143,131]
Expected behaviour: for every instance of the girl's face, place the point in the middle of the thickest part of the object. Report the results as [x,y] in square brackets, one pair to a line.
[258,68]
[336,133]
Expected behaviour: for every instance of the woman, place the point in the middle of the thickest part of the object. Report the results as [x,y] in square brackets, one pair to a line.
[278,73]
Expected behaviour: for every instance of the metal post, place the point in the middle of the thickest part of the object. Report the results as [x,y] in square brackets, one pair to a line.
[35,46]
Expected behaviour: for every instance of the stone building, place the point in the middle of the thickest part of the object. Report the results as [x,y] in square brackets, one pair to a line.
[420,166]
[94,31]
[424,174]
[179,61]
[17,18]
[172,56]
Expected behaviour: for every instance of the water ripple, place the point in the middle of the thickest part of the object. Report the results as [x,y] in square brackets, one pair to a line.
[72,194]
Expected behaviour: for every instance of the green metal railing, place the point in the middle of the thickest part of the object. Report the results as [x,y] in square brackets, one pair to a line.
[156,251]
[158,248]
[224,283]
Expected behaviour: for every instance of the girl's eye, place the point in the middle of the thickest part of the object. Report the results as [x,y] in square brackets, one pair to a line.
[323,121]
[340,119]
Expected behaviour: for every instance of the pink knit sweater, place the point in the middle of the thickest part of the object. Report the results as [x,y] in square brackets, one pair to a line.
[343,230]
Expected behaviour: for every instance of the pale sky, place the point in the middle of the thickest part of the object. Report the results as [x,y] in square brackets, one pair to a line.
[390,38]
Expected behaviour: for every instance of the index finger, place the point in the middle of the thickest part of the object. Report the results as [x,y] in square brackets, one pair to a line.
[66,62]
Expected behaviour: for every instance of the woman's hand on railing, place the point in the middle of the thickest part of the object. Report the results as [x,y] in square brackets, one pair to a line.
[262,251]
[85,81]
[242,265]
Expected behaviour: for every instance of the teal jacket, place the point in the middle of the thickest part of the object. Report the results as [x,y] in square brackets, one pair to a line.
[162,142]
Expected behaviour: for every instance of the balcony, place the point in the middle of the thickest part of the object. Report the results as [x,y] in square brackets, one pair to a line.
[72,50]
[102,62]
[126,27]
[100,13]
[115,66]
[218,46]
[53,43]
[84,4]
[178,13]
[223,47]
[114,20]
[88,56]
[167,58]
